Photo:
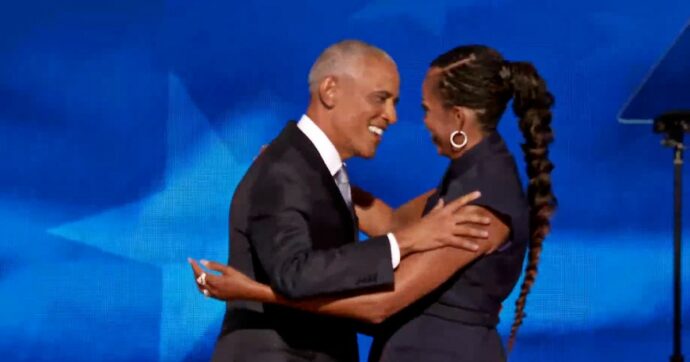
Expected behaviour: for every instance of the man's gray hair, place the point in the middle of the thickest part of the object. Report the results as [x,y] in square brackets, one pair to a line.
[341,58]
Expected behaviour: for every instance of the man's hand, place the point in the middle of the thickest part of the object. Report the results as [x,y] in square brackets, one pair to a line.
[455,224]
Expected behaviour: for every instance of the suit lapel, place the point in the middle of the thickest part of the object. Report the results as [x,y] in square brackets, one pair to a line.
[311,154]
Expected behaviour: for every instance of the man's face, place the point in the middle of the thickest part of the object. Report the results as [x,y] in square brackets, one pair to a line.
[366,106]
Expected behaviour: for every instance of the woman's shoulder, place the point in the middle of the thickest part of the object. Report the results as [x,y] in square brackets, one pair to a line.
[498,181]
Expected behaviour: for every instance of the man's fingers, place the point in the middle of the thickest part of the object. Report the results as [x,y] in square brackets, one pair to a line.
[439,205]
[468,231]
[463,243]
[437,208]
[462,218]
[463,200]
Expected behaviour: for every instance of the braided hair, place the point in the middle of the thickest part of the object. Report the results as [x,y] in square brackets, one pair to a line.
[477,77]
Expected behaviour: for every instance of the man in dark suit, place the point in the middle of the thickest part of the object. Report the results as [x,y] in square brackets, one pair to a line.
[292,223]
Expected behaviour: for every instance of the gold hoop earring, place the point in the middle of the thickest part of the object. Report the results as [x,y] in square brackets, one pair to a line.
[462,144]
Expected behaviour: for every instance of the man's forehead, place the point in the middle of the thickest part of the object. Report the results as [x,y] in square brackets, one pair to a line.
[380,72]
[376,74]
[387,85]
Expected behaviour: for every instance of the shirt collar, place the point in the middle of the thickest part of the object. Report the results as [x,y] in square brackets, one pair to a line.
[323,145]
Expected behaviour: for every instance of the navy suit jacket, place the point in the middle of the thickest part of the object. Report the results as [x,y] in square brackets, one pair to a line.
[291,228]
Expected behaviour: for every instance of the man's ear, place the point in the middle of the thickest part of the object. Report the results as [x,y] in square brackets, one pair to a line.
[328,91]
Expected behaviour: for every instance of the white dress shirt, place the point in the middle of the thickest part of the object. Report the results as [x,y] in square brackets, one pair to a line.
[334,163]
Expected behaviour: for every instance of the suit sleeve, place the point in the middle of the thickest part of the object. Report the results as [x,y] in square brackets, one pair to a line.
[279,232]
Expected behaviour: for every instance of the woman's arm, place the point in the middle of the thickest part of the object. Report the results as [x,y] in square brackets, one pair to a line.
[417,275]
[377,218]
[411,211]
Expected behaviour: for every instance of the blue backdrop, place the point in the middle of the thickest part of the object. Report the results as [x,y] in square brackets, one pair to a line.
[125,127]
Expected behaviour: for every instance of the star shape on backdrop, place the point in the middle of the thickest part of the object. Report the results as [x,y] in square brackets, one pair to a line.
[187,217]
